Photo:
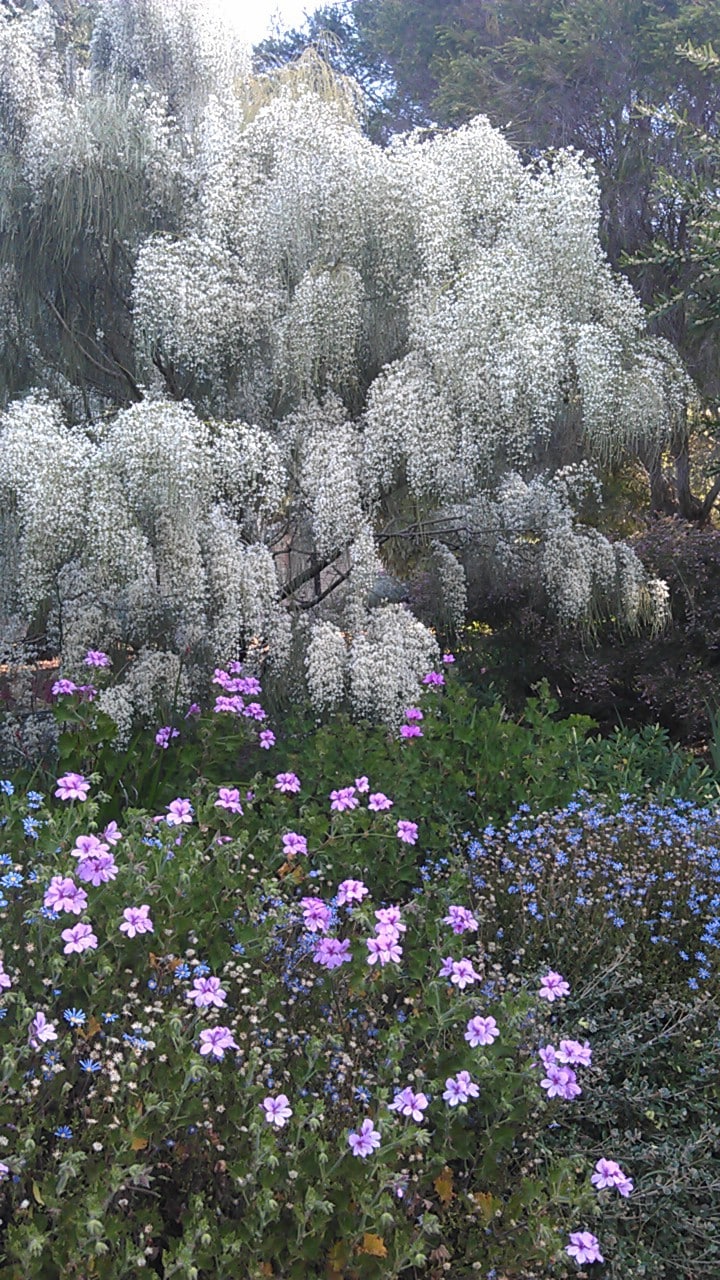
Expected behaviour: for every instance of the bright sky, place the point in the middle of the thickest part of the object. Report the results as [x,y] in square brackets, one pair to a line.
[254,17]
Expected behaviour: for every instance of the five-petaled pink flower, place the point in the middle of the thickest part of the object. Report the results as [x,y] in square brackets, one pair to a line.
[136,920]
[343,799]
[63,686]
[584,1247]
[609,1174]
[5,982]
[331,952]
[215,1040]
[409,1103]
[413,713]
[463,974]
[79,938]
[574,1054]
[481,1031]
[229,798]
[553,986]
[277,1110]
[362,785]
[293,844]
[62,894]
[41,1031]
[164,736]
[267,739]
[377,802]
[384,948]
[460,920]
[88,847]
[365,1141]
[407,832]
[96,658]
[460,1088]
[207,992]
[112,833]
[316,915]
[287,783]
[389,920]
[411,731]
[434,678]
[351,891]
[72,786]
[179,811]
[560,1082]
[98,869]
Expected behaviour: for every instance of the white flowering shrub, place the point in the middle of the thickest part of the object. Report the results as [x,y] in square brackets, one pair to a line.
[303,366]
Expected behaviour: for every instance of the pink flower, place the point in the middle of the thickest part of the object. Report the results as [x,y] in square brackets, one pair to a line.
[446,967]
[411,731]
[72,786]
[80,938]
[235,704]
[584,1247]
[574,1054]
[344,799]
[164,735]
[460,920]
[179,811]
[413,713]
[41,1031]
[215,1040]
[136,920]
[193,710]
[365,1141]
[362,785]
[293,844]
[609,1174]
[207,992]
[287,783]
[96,658]
[351,891]
[229,798]
[377,802]
[316,915]
[448,658]
[390,921]
[267,739]
[254,711]
[561,1082]
[87,691]
[434,678]
[459,1089]
[5,982]
[99,869]
[409,1104]
[112,833]
[463,974]
[277,1110]
[553,986]
[88,847]
[331,953]
[481,1031]
[407,832]
[63,894]
[384,948]
[63,686]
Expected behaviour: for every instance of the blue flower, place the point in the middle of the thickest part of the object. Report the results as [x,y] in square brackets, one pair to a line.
[182,970]
[63,1131]
[34,799]
[75,1017]
[7,786]
[31,826]
[109,1017]
[90,1065]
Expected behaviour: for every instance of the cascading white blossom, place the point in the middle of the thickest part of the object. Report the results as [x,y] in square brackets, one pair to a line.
[349,360]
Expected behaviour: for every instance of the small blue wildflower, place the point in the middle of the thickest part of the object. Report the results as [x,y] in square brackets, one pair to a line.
[34,799]
[7,787]
[182,970]
[109,1017]
[75,1017]
[64,1131]
[90,1065]
[31,827]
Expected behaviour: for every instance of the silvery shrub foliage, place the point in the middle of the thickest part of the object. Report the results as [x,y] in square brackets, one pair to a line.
[345,363]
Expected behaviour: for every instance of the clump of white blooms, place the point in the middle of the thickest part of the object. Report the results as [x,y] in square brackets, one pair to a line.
[345,358]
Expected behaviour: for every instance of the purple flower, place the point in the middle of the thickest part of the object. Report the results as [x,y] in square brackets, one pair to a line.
[343,799]
[287,782]
[41,1031]
[267,739]
[229,798]
[215,1040]
[62,894]
[574,1054]
[481,1031]
[384,948]
[362,785]
[460,919]
[434,678]
[80,938]
[553,986]
[293,844]
[5,982]
[163,736]
[448,658]
[277,1110]
[112,833]
[460,1088]
[413,713]
[63,686]
[463,974]
[179,811]
[365,1141]
[96,658]
[351,891]
[609,1174]
[390,921]
[88,847]
[409,1104]
[316,915]
[254,711]
[377,802]
[411,731]
[207,992]
[584,1247]
[235,704]
[407,832]
[72,786]
[561,1082]
[136,920]
[98,869]
[446,967]
[331,952]
[193,710]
